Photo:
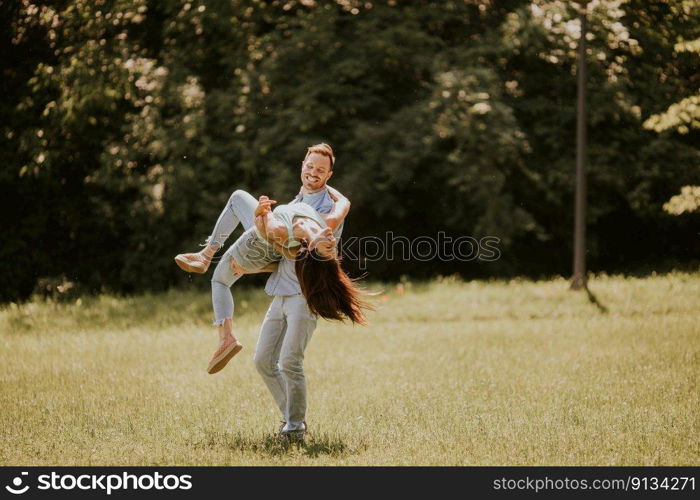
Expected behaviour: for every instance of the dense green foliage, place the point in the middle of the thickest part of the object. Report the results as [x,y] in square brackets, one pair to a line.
[125,125]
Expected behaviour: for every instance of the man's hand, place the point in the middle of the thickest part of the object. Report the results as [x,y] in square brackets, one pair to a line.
[236,268]
[269,268]
[333,193]
[340,209]
[264,206]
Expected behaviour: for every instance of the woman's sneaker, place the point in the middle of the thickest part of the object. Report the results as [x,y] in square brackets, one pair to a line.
[227,349]
[193,262]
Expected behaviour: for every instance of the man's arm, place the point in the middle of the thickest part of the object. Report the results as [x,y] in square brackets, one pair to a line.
[290,253]
[340,210]
[270,268]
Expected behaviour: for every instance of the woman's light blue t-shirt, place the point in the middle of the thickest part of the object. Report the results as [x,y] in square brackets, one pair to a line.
[284,281]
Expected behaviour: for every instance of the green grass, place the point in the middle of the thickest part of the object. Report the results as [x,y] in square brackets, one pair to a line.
[448,372]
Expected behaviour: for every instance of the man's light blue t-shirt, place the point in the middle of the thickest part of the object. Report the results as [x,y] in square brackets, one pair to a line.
[284,281]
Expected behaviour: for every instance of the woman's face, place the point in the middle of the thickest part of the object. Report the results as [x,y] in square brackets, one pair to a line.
[323,241]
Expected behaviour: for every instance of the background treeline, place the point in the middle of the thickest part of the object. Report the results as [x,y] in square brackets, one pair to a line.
[125,125]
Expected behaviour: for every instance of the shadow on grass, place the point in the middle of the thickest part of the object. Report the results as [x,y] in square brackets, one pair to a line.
[313,446]
[594,300]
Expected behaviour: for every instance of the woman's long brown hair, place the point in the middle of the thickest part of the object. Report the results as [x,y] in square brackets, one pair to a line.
[330,292]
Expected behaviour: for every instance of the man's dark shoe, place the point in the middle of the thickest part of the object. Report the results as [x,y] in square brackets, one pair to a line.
[295,436]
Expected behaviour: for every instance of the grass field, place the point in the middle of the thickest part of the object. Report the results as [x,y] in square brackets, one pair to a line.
[448,372]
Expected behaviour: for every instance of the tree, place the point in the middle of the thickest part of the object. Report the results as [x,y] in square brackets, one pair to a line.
[681,116]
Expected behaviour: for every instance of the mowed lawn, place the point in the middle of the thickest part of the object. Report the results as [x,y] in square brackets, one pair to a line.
[448,372]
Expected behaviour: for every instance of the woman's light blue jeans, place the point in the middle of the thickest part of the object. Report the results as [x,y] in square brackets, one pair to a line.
[240,208]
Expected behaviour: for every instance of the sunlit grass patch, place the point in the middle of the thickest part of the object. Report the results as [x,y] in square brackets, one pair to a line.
[448,372]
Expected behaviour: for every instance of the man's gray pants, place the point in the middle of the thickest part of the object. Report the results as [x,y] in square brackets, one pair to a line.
[279,355]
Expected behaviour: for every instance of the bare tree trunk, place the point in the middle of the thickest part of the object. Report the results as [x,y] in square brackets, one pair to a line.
[578,280]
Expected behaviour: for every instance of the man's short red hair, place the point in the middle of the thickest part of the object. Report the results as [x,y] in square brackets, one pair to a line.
[322,149]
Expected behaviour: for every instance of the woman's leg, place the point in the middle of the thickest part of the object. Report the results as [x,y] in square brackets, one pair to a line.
[249,253]
[222,302]
[239,209]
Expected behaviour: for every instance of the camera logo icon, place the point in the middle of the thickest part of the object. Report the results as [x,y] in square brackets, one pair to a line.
[17,483]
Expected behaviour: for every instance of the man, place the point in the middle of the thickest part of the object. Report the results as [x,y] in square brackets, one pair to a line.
[288,323]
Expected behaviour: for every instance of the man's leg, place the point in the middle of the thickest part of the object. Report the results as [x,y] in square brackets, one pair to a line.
[272,334]
[300,326]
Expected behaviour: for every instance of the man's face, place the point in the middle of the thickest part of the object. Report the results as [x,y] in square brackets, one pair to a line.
[315,172]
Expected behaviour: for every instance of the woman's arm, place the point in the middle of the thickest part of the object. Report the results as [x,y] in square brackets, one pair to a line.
[262,222]
[263,213]
[273,231]
[340,209]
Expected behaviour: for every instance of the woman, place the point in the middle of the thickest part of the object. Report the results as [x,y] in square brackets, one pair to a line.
[295,230]
[300,233]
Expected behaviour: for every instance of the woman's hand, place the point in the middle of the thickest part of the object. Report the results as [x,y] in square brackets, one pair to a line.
[264,206]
